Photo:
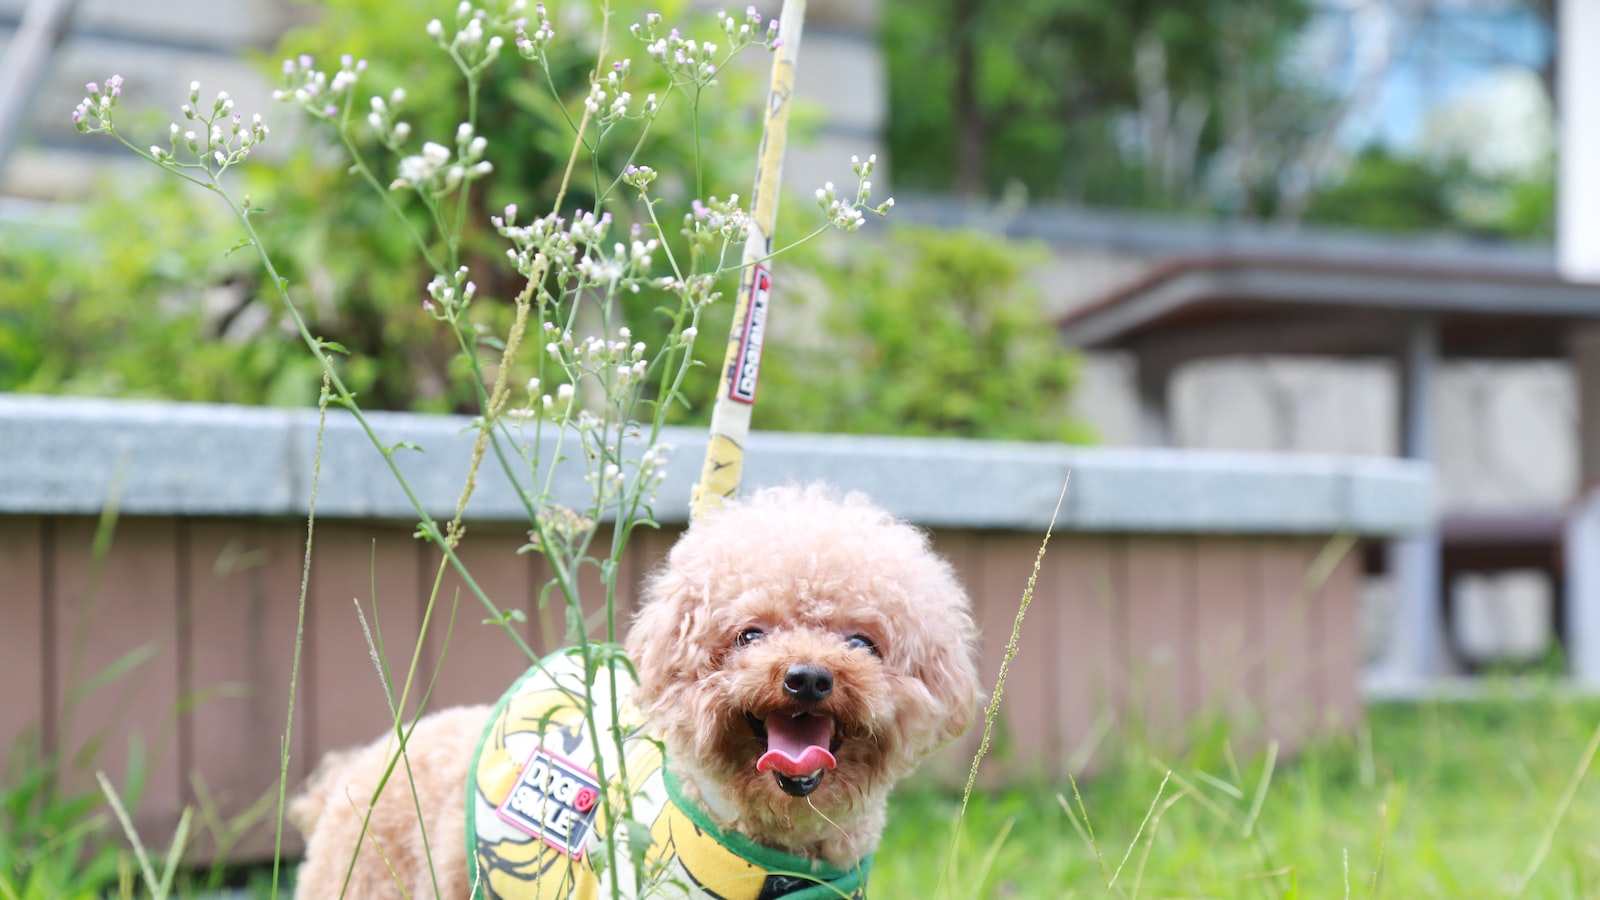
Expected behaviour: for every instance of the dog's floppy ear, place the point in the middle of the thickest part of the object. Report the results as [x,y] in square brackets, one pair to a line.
[665,640]
[949,671]
[941,649]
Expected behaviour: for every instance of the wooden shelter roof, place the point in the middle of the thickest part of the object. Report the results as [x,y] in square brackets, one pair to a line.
[1230,303]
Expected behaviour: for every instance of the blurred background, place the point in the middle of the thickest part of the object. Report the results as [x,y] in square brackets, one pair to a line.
[1280,236]
[1046,155]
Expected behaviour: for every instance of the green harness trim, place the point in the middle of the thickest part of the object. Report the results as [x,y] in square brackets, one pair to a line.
[834,883]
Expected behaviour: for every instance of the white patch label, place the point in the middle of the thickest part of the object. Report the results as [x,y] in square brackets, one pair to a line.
[747,365]
[554,800]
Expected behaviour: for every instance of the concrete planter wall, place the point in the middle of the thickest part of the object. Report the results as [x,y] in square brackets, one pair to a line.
[1178,583]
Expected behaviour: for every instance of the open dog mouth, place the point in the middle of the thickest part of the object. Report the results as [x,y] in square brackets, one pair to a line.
[797,749]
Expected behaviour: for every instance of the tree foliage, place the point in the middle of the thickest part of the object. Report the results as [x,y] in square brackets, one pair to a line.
[1206,107]
[1139,103]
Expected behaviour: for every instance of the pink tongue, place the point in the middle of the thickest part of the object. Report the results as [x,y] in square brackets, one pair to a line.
[797,745]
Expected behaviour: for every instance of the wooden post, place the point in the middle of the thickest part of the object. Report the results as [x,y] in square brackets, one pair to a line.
[1582,537]
[1153,379]
[1583,355]
[1417,647]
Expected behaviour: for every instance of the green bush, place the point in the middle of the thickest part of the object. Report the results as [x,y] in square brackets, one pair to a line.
[932,333]
[1386,190]
[140,301]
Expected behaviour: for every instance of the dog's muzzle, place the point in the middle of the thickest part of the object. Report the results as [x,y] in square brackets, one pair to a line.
[799,748]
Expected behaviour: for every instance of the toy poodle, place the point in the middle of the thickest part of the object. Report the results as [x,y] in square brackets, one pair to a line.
[796,656]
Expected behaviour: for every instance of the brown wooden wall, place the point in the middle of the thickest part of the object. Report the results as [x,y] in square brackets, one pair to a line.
[1139,630]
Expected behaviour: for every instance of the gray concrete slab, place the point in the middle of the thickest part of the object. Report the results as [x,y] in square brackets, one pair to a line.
[63,456]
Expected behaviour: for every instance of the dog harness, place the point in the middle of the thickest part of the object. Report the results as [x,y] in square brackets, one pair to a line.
[536,817]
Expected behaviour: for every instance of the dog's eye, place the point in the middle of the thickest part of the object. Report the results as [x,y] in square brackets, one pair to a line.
[748,636]
[860,642]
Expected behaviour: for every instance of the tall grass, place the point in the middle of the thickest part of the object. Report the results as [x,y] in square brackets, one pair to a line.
[1468,799]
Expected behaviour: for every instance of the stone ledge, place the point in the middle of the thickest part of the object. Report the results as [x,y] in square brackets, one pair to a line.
[66,456]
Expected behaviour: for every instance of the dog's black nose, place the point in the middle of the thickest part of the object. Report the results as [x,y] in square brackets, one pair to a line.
[808,683]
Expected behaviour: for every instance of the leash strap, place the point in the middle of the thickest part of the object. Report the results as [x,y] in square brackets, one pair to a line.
[741,364]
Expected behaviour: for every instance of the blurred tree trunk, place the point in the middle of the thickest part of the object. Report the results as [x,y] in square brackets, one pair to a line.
[972,149]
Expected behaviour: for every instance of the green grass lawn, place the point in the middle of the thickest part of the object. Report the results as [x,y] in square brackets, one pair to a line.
[1453,800]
